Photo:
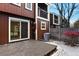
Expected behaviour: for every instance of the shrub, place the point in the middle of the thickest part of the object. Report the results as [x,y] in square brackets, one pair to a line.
[73,37]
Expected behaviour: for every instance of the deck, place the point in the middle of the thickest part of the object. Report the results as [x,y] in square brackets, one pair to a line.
[27,48]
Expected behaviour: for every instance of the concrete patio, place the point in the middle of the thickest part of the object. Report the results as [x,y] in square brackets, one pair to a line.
[27,48]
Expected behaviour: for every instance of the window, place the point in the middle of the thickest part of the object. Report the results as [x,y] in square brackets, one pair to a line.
[43,25]
[19,29]
[56,20]
[28,6]
[18,4]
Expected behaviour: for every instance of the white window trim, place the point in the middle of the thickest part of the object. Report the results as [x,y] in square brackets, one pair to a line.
[58,20]
[17,19]
[17,4]
[41,25]
[42,17]
[27,7]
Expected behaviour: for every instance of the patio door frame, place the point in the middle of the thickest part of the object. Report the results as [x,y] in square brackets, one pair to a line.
[18,20]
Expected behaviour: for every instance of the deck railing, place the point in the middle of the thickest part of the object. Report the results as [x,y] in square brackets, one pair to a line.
[42,13]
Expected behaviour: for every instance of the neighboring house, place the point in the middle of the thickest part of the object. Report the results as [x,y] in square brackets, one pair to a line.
[76,24]
[22,21]
[55,21]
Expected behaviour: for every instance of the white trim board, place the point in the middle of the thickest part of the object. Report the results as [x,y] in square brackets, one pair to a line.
[18,4]
[36,36]
[42,18]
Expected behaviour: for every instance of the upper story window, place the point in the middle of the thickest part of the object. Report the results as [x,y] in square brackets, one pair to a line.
[18,4]
[28,6]
[43,10]
[56,20]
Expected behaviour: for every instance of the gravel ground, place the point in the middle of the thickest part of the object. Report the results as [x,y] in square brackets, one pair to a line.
[64,50]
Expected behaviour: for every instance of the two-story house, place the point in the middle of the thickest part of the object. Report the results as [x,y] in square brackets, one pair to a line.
[23,21]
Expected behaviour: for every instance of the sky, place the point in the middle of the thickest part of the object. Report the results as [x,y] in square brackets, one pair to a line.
[74,18]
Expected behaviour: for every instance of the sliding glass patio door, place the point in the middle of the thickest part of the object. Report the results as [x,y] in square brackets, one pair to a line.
[18,29]
[24,29]
[15,30]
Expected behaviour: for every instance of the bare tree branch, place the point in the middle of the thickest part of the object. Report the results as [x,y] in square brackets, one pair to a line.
[66,10]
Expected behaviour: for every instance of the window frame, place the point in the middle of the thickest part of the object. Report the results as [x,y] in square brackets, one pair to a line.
[57,20]
[42,22]
[27,7]
[18,20]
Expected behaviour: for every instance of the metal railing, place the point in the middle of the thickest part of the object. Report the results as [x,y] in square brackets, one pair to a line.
[42,13]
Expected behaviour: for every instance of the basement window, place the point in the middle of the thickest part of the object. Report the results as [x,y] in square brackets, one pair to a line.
[43,25]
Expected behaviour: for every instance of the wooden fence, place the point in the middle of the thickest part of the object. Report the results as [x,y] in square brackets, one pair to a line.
[58,34]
